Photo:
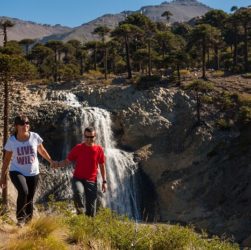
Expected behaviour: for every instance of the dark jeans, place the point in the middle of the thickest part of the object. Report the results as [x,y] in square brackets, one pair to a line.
[26,187]
[84,190]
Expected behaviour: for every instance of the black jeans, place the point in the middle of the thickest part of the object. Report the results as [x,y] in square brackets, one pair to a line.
[26,187]
[83,189]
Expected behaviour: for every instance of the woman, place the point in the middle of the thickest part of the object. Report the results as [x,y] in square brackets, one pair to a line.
[22,147]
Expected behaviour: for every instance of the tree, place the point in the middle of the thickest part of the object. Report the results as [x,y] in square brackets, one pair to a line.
[102,31]
[215,18]
[56,46]
[202,36]
[92,45]
[127,31]
[12,68]
[148,29]
[244,17]
[26,43]
[4,25]
[232,35]
[199,88]
[42,57]
[167,14]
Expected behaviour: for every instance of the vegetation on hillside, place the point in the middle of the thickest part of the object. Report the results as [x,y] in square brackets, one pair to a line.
[65,230]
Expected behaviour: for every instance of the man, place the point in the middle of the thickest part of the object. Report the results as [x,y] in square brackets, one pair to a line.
[87,156]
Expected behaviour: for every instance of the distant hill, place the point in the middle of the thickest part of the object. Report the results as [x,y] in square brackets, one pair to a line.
[27,29]
[182,11]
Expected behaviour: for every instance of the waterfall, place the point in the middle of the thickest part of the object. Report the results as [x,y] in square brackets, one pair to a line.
[122,193]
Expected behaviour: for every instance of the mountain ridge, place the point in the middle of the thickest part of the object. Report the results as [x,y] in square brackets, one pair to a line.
[182,11]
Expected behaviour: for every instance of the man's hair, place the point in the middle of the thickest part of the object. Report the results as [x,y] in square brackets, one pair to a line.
[89,129]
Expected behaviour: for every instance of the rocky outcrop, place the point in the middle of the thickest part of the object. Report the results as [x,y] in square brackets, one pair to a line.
[200,174]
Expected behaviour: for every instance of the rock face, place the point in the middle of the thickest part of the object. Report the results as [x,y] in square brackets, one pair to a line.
[199,175]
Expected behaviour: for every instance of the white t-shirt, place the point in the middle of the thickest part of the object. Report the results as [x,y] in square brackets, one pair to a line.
[24,157]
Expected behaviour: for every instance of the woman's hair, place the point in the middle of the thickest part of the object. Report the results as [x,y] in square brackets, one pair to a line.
[19,120]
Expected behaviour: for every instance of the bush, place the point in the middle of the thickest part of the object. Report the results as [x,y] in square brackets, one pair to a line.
[112,231]
[245,114]
[93,75]
[145,82]
[218,73]
[223,124]
[247,75]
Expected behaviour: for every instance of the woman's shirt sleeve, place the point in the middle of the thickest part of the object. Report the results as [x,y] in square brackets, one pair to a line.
[9,145]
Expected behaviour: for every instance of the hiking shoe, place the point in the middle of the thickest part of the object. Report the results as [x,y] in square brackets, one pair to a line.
[20,224]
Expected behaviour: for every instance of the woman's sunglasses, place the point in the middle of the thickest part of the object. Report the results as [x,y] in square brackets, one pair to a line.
[22,123]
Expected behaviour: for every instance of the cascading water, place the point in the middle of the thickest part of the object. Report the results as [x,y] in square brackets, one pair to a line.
[122,195]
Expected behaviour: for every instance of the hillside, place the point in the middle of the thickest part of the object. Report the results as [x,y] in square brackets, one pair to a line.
[182,11]
[26,29]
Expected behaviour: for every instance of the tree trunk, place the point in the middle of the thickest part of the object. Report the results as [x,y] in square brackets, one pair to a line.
[149,59]
[216,58]
[198,107]
[129,70]
[5,36]
[55,66]
[105,63]
[235,47]
[246,47]
[204,58]
[178,74]
[5,136]
[81,66]
[95,58]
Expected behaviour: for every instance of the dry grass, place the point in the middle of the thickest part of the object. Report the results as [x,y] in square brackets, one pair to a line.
[42,233]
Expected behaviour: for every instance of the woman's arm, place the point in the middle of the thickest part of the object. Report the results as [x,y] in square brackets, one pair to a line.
[6,162]
[42,151]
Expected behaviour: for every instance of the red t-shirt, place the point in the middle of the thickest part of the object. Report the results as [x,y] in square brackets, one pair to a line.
[86,160]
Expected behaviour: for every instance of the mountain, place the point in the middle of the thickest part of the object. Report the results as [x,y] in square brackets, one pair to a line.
[182,11]
[28,29]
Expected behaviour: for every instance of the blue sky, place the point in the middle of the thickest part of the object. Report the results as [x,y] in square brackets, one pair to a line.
[73,13]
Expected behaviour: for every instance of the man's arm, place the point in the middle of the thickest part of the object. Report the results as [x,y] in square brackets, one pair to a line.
[103,174]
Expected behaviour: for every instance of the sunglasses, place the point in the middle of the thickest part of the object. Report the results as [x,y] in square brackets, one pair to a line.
[22,123]
[89,137]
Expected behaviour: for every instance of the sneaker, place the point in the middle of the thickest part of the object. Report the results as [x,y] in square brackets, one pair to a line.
[20,224]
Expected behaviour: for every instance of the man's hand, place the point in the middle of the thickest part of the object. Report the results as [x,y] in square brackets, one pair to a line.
[54,164]
[104,187]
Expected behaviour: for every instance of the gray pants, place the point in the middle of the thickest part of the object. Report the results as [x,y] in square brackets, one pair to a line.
[84,190]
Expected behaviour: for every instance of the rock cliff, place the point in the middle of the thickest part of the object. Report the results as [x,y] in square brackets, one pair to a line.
[200,175]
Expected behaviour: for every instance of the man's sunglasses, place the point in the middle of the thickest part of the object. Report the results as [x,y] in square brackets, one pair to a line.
[22,123]
[89,137]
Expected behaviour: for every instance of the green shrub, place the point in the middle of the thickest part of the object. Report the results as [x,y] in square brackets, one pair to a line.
[145,82]
[223,124]
[118,232]
[245,114]
[247,75]
[218,73]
